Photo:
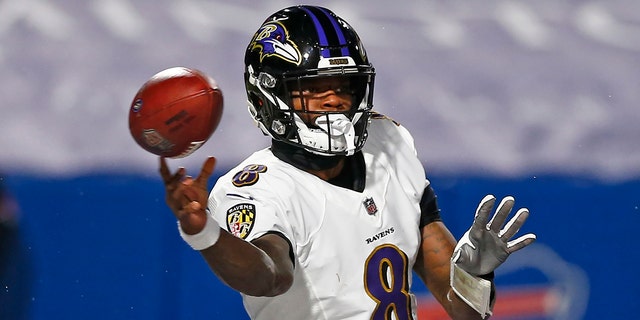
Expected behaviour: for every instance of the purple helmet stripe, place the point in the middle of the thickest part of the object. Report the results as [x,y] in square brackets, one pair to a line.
[343,42]
[322,36]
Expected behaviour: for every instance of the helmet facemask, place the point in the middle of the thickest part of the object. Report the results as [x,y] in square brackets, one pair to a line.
[330,131]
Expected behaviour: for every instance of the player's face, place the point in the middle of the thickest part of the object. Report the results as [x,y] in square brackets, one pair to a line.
[328,94]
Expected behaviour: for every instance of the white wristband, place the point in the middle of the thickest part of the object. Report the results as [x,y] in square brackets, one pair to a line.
[473,290]
[207,237]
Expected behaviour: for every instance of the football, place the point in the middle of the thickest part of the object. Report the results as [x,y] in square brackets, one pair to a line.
[175,112]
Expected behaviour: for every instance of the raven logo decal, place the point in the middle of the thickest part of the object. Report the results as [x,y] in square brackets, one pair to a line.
[273,40]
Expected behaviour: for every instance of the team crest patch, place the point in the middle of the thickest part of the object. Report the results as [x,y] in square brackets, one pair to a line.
[273,40]
[370,205]
[240,219]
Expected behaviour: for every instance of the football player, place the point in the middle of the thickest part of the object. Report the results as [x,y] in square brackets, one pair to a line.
[331,220]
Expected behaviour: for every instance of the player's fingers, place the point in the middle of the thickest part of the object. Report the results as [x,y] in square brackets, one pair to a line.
[179,185]
[192,217]
[180,214]
[205,173]
[484,209]
[191,194]
[189,208]
[187,180]
[186,211]
[521,242]
[177,192]
[175,198]
[514,224]
[170,179]
[194,206]
[502,212]
[165,173]
[173,181]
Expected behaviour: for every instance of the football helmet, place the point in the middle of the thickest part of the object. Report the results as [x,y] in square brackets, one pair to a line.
[293,46]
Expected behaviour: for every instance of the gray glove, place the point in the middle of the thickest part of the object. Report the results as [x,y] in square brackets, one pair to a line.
[485,246]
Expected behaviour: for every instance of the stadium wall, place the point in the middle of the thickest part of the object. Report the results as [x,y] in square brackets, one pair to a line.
[105,247]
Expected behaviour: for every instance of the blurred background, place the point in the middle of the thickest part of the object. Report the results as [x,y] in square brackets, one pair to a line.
[536,99]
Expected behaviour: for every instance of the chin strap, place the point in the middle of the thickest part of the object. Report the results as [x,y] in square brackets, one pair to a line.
[335,130]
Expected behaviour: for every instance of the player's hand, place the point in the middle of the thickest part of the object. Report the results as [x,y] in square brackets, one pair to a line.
[486,245]
[187,197]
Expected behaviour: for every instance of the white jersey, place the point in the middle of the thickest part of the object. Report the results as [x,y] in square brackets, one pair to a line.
[353,251]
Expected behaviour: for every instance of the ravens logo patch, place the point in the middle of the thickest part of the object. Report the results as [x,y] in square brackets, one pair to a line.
[240,219]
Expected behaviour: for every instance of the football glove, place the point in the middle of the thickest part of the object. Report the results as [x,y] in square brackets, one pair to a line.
[484,247]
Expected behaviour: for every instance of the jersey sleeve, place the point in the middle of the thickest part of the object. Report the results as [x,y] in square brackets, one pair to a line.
[243,203]
[429,210]
[245,218]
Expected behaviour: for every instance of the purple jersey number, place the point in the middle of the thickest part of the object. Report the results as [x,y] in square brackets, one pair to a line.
[386,282]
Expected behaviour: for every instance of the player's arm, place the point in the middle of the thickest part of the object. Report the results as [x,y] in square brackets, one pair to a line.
[433,263]
[259,268]
[262,267]
[433,266]
[461,275]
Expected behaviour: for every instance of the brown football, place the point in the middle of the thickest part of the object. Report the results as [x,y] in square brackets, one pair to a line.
[175,112]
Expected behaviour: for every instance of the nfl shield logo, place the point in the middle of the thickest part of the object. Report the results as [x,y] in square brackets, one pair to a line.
[153,139]
[370,205]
